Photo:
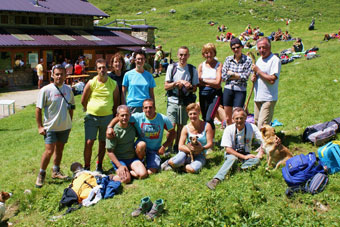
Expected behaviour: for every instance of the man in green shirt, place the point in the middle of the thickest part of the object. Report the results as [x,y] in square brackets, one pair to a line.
[121,149]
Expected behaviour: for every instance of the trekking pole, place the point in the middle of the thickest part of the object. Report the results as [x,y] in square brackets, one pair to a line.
[250,54]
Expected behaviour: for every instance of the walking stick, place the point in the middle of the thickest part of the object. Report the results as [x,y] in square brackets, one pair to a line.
[250,54]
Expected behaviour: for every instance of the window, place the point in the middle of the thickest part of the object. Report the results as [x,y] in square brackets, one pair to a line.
[59,21]
[76,22]
[34,20]
[49,20]
[5,60]
[20,20]
[4,19]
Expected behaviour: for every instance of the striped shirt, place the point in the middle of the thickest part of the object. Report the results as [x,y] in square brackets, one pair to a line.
[243,68]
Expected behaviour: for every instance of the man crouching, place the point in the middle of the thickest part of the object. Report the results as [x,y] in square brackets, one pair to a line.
[121,150]
[237,140]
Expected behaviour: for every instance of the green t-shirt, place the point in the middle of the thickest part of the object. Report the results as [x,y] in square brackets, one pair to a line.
[123,143]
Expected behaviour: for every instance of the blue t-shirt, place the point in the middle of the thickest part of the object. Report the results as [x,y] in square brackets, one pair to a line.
[151,130]
[138,85]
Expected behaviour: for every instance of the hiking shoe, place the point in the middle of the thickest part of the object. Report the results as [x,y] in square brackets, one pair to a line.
[40,180]
[156,210]
[165,166]
[144,207]
[213,183]
[59,175]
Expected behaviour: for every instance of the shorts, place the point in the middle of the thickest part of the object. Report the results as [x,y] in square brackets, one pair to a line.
[177,114]
[234,98]
[93,124]
[60,136]
[156,64]
[181,159]
[125,162]
[40,77]
[153,160]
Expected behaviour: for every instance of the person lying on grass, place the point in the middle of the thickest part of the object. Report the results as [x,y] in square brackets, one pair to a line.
[237,139]
[150,127]
[122,151]
[204,134]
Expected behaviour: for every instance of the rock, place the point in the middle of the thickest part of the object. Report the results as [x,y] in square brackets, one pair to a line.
[139,13]
[153,9]
[172,11]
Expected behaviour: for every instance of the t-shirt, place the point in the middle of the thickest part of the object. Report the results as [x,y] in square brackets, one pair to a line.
[123,142]
[56,114]
[40,70]
[264,91]
[158,55]
[78,69]
[228,138]
[101,99]
[138,85]
[151,130]
[118,79]
[181,74]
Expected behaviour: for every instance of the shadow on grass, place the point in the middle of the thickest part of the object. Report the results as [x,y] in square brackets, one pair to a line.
[9,129]
[289,139]
[20,88]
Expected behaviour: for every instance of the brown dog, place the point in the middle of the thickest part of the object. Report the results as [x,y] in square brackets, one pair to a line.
[194,142]
[277,154]
[3,197]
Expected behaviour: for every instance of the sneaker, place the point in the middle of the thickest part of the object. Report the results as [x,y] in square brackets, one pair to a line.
[40,180]
[59,175]
[144,207]
[165,166]
[156,210]
[213,183]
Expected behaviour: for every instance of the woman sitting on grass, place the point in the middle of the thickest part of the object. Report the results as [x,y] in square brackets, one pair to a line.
[204,134]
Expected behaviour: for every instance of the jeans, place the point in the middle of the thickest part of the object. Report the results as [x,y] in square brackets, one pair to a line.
[181,159]
[230,160]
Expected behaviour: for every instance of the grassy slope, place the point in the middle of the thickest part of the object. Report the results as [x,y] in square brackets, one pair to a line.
[307,95]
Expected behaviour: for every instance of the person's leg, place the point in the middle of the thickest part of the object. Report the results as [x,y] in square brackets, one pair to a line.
[266,113]
[228,163]
[46,157]
[153,162]
[196,165]
[91,129]
[58,154]
[171,112]
[214,102]
[88,153]
[228,101]
[138,170]
[140,150]
[250,162]
[228,110]
[101,153]
[103,123]
[257,109]
[204,104]
[178,160]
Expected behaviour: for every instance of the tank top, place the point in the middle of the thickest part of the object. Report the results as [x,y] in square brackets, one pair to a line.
[209,73]
[202,137]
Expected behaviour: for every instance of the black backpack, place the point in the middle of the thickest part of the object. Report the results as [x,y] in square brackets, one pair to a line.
[321,133]
[184,100]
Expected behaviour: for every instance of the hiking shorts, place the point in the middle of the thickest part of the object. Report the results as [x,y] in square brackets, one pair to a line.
[156,64]
[93,124]
[60,136]
[125,162]
[152,159]
[234,98]
[177,114]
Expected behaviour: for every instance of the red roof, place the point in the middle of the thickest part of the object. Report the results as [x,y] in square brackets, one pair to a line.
[99,37]
[73,7]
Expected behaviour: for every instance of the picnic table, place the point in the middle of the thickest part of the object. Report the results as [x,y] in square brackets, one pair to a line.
[7,103]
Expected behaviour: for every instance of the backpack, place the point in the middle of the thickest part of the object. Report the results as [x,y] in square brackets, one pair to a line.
[83,184]
[322,132]
[301,168]
[191,98]
[330,156]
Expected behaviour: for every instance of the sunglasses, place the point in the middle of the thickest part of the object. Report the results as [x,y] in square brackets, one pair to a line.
[237,47]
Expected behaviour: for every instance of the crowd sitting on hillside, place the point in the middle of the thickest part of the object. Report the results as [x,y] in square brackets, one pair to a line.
[121,106]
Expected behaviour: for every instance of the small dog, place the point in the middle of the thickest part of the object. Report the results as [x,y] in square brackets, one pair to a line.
[277,154]
[3,197]
[194,142]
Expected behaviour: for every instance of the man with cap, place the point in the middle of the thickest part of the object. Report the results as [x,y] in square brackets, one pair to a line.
[235,71]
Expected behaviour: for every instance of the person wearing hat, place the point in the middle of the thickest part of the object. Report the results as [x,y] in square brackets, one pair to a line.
[158,57]
[235,71]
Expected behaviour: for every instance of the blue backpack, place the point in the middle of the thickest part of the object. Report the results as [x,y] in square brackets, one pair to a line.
[330,156]
[301,168]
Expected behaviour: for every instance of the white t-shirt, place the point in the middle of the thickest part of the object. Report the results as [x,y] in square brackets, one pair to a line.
[56,114]
[209,73]
[264,91]
[228,138]
[181,74]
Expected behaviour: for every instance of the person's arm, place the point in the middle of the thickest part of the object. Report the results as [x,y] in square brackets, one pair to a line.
[182,139]
[110,133]
[168,85]
[86,95]
[122,171]
[169,139]
[115,100]
[38,119]
[152,95]
[269,78]
[243,76]
[230,150]
[71,114]
[215,83]
[124,90]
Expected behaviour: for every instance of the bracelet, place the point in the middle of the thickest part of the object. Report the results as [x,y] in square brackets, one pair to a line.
[109,127]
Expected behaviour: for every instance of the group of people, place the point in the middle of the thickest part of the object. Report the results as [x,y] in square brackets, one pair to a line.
[121,106]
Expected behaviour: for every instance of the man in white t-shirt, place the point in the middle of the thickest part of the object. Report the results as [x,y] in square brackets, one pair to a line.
[181,82]
[237,139]
[57,101]
[266,78]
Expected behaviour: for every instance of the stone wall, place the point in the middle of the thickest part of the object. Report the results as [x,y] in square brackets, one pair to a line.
[17,77]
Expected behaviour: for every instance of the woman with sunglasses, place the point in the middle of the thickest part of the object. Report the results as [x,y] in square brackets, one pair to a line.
[235,71]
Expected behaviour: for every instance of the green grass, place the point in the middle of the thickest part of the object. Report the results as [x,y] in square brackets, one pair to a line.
[307,95]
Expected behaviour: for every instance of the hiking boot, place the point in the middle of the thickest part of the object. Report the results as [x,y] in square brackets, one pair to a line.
[156,210]
[165,166]
[59,175]
[144,207]
[40,180]
[213,183]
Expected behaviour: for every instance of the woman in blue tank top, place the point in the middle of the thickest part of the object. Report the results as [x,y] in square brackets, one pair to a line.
[204,134]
